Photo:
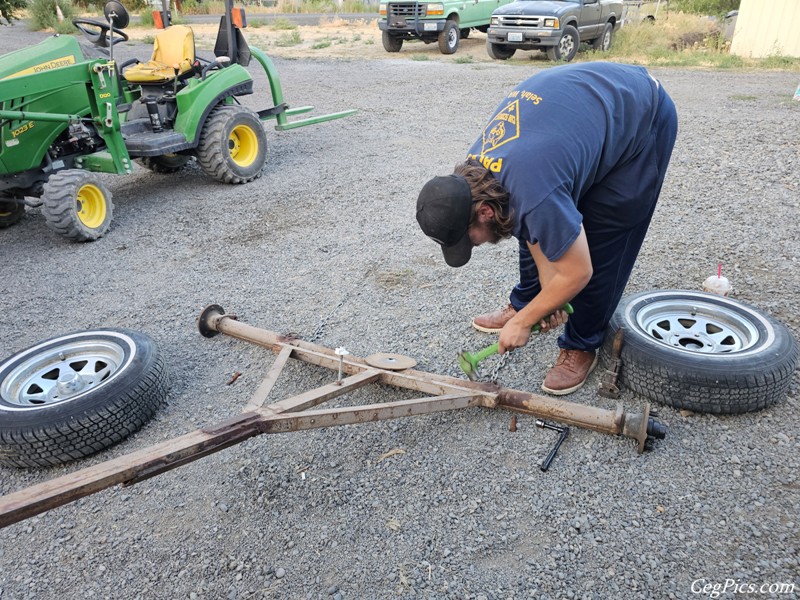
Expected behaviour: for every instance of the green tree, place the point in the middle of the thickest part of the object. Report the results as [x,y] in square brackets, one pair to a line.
[705,7]
[8,9]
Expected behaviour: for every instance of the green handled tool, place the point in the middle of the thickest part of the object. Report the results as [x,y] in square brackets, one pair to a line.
[469,361]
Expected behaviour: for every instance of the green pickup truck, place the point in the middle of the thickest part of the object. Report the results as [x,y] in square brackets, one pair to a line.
[445,22]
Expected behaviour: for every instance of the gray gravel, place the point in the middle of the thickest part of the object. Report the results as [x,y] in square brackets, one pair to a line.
[465,512]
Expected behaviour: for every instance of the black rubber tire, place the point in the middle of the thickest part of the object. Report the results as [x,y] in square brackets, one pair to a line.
[77,205]
[499,51]
[93,419]
[165,164]
[449,37]
[217,152]
[11,212]
[391,43]
[749,377]
[482,28]
[606,39]
[465,32]
[570,38]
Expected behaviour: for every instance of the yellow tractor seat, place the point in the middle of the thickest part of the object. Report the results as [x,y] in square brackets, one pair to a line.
[173,49]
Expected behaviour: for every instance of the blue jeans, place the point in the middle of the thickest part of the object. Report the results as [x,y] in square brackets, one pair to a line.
[614,236]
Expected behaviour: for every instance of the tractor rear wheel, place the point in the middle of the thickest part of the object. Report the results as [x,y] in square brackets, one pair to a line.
[166,163]
[233,145]
[77,205]
[10,212]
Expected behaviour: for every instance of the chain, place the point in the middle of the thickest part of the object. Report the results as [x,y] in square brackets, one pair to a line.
[320,328]
[504,359]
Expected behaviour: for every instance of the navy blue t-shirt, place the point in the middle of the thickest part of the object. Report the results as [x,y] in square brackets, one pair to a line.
[558,133]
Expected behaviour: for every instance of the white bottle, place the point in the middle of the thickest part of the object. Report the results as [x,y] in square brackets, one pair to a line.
[717,284]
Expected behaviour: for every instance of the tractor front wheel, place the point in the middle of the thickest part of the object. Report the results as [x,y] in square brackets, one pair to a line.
[233,145]
[77,205]
[10,212]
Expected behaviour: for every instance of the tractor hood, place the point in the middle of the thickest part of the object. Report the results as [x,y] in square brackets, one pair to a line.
[544,8]
[53,53]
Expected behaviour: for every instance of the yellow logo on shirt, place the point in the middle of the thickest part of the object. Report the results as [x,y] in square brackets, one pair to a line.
[503,128]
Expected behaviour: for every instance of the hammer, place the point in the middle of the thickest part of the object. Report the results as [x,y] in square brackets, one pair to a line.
[469,361]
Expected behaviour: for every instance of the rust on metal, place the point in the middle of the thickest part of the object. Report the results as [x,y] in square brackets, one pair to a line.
[297,413]
[609,388]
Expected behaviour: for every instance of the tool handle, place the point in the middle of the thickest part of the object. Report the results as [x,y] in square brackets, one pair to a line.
[488,351]
[567,308]
[552,455]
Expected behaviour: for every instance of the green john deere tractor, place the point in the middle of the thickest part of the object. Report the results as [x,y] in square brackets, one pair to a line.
[65,117]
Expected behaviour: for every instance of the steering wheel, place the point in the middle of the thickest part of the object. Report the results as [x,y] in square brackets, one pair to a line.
[100,38]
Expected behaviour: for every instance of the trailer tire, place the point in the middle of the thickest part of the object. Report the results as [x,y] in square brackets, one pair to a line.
[702,352]
[391,43]
[77,205]
[449,37]
[165,164]
[71,396]
[233,145]
[11,212]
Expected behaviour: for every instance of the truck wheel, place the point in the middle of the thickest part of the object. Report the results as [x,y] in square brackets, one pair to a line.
[77,205]
[603,43]
[702,352]
[72,396]
[391,43]
[465,33]
[499,51]
[233,145]
[567,46]
[448,37]
[166,163]
[10,212]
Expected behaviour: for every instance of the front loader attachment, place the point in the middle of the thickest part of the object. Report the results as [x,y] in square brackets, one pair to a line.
[281,111]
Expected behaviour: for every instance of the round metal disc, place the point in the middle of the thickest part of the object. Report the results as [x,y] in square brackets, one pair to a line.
[390,362]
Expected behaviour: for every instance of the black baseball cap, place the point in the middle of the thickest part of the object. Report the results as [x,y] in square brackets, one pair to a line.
[444,210]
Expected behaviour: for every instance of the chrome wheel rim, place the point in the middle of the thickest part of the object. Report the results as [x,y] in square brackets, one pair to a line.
[697,327]
[62,373]
[566,45]
[452,37]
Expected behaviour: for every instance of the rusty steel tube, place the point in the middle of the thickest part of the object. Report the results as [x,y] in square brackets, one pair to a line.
[213,320]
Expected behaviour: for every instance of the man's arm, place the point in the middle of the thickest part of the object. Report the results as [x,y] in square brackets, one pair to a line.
[561,281]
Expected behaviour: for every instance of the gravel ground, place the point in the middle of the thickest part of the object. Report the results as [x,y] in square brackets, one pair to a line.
[465,512]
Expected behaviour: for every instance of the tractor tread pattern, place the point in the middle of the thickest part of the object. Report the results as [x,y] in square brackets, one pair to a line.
[58,206]
[210,154]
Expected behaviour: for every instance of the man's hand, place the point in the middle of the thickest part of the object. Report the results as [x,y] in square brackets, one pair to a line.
[557,318]
[515,334]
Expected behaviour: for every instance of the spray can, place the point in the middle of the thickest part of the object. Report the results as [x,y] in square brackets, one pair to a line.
[717,284]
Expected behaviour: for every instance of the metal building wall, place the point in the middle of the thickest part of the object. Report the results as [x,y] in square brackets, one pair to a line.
[767,27]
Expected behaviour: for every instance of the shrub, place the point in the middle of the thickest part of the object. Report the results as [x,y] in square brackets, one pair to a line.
[8,9]
[43,15]
[146,19]
[282,23]
[288,39]
[705,7]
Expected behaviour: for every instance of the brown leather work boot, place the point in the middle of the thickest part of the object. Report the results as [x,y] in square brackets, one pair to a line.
[493,322]
[570,373]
